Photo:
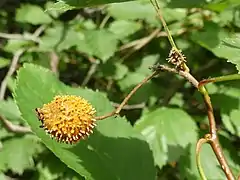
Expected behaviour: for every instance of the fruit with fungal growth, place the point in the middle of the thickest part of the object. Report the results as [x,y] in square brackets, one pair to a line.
[67,118]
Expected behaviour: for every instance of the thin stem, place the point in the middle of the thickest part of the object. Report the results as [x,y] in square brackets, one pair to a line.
[170,38]
[144,41]
[134,90]
[10,72]
[219,79]
[90,73]
[212,138]
[130,107]
[54,62]
[198,159]
[212,123]
[157,8]
[124,102]
[104,21]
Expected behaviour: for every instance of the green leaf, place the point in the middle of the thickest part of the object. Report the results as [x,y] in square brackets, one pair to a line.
[17,154]
[228,124]
[235,116]
[147,62]
[186,3]
[60,38]
[9,110]
[15,44]
[32,14]
[59,7]
[188,167]
[168,131]
[141,10]
[79,3]
[48,170]
[100,43]
[104,154]
[4,62]
[130,80]
[215,39]
[120,71]
[123,28]
[230,49]
[209,162]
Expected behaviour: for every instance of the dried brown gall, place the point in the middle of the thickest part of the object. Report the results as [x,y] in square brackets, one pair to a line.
[67,118]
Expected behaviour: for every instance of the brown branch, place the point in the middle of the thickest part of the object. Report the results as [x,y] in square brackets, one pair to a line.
[10,72]
[90,72]
[198,150]
[120,107]
[54,61]
[211,138]
[15,128]
[130,107]
[9,125]
[184,74]
[142,43]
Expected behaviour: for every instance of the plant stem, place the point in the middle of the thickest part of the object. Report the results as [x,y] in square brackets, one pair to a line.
[212,138]
[124,102]
[157,8]
[198,160]
[219,79]
[170,38]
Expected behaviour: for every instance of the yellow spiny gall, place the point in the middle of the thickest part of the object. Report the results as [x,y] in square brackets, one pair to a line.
[67,118]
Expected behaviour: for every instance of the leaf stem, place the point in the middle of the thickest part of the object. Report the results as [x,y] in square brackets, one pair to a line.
[198,160]
[124,102]
[170,38]
[157,8]
[219,79]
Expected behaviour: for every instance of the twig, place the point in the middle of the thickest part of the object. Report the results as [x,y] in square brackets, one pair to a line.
[142,43]
[130,107]
[184,74]
[198,150]
[39,30]
[212,137]
[139,41]
[27,37]
[104,21]
[54,61]
[10,72]
[34,37]
[220,79]
[15,128]
[9,125]
[90,72]
[20,37]
[117,111]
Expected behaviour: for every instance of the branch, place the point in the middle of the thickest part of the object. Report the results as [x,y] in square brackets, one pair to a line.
[130,107]
[10,72]
[91,71]
[27,37]
[54,61]
[15,128]
[182,73]
[178,59]
[124,102]
[230,77]
[212,137]
[142,43]
[198,150]
[9,125]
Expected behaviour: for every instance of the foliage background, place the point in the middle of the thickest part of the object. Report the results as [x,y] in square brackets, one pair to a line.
[109,49]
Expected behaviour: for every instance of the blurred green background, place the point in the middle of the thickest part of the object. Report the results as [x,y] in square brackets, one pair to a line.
[110,48]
